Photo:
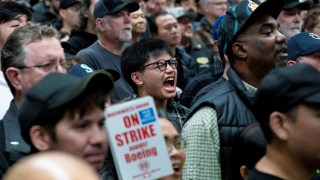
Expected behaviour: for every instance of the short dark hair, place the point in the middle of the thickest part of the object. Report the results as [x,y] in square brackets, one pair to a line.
[264,122]
[138,54]
[13,53]
[90,99]
[153,24]
[85,5]
[249,148]
[9,11]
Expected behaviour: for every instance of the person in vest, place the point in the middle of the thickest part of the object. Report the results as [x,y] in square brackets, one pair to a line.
[249,38]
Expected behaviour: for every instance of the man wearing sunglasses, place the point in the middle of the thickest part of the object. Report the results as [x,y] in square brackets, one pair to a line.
[150,69]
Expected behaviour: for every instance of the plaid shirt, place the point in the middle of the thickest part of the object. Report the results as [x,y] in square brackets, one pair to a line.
[177,113]
[201,133]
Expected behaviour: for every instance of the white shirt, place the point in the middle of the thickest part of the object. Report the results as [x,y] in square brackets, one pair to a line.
[5,96]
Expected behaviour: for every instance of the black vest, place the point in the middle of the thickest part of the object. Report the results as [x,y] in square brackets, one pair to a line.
[232,103]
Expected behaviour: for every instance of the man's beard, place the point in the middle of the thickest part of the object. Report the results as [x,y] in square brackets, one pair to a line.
[125,36]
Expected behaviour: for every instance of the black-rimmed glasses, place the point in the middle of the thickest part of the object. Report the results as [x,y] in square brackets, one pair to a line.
[162,64]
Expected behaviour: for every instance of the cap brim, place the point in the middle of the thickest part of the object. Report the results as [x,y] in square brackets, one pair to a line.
[303,5]
[132,6]
[270,7]
[98,80]
[190,15]
[313,99]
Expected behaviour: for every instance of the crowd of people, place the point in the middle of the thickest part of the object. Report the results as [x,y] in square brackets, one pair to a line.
[234,83]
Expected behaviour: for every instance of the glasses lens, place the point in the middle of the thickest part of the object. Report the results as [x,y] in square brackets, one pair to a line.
[173,63]
[162,64]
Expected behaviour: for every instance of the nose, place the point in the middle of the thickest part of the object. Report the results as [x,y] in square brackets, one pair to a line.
[297,18]
[60,68]
[127,19]
[280,38]
[98,136]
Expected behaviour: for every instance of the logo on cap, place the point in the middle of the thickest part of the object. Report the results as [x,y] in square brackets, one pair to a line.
[252,5]
[315,36]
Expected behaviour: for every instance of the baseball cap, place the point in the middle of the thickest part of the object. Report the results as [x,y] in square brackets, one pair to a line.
[104,7]
[180,13]
[64,4]
[303,4]
[303,43]
[285,87]
[57,90]
[83,71]
[241,15]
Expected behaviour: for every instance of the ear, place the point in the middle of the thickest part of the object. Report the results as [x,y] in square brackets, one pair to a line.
[244,171]
[239,50]
[291,62]
[62,13]
[100,24]
[40,138]
[14,76]
[279,125]
[136,78]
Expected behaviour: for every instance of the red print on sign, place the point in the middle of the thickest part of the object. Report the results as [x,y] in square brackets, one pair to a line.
[144,165]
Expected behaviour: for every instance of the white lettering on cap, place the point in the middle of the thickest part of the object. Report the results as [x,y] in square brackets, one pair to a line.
[86,68]
[314,36]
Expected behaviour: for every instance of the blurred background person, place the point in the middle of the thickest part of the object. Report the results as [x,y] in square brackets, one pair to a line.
[12,16]
[312,23]
[69,12]
[290,17]
[139,25]
[51,165]
[86,35]
[175,145]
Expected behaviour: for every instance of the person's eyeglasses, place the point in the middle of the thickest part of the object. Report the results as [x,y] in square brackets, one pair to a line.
[162,64]
[178,145]
[48,67]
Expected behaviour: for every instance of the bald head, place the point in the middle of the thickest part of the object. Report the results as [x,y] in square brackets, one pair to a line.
[51,166]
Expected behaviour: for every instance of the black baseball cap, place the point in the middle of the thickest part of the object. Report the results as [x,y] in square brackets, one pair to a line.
[104,7]
[180,13]
[64,4]
[302,44]
[303,4]
[285,87]
[57,90]
[241,15]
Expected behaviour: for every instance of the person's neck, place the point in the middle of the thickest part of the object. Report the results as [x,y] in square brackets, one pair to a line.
[90,28]
[18,96]
[211,19]
[66,29]
[115,47]
[173,50]
[185,42]
[160,104]
[135,38]
[279,162]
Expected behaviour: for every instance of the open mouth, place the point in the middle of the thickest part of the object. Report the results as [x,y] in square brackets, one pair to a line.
[169,84]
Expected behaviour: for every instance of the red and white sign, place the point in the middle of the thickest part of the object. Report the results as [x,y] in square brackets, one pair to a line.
[136,140]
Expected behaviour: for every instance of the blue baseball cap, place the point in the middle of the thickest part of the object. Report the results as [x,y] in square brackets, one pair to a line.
[303,44]
[83,71]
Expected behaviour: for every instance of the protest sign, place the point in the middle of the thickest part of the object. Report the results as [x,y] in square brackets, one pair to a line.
[137,143]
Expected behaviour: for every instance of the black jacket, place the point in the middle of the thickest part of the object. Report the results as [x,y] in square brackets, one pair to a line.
[233,104]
